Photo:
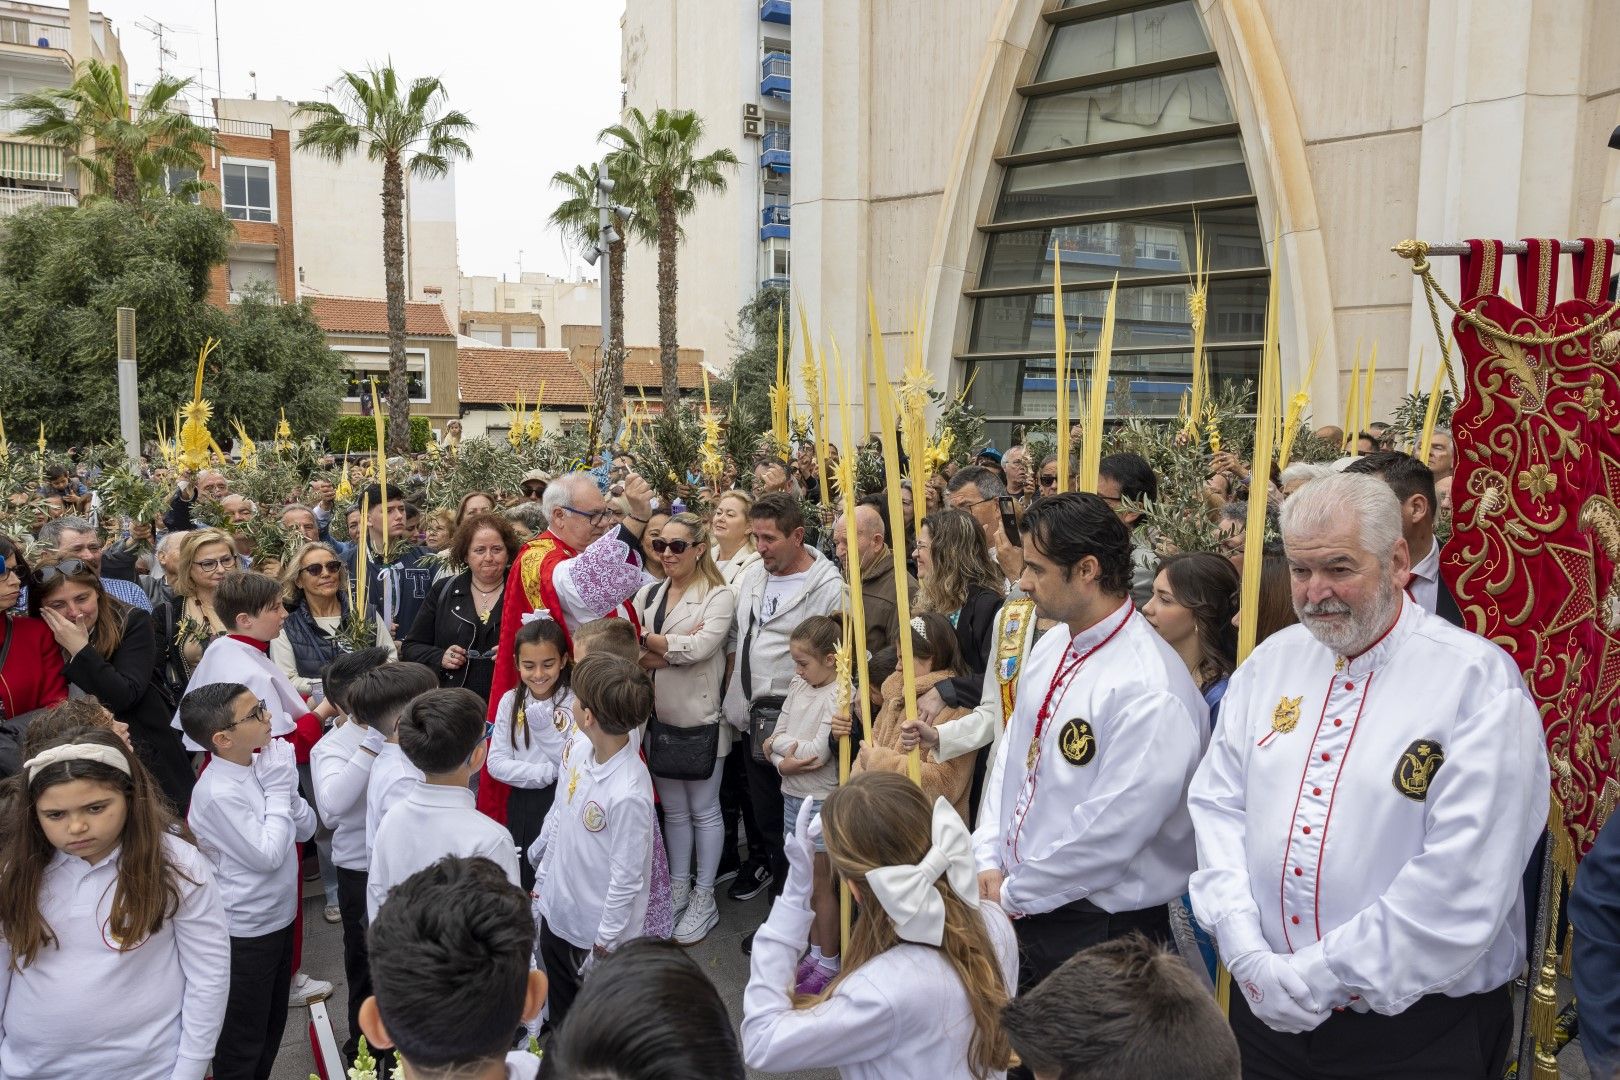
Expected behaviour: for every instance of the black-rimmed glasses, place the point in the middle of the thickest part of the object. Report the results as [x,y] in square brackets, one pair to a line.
[595,517]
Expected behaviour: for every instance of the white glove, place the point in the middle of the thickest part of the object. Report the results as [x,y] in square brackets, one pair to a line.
[277,767]
[801,853]
[588,965]
[1275,992]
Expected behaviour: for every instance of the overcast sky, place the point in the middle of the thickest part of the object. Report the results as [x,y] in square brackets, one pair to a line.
[539,77]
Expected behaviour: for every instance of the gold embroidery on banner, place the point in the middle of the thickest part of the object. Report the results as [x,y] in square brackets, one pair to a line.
[1546,265]
[1487,277]
[1601,517]
[1594,277]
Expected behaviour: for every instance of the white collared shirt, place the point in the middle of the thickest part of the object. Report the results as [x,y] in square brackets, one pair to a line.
[340,766]
[392,778]
[1325,832]
[429,823]
[1424,584]
[83,1008]
[531,759]
[1103,814]
[250,839]
[594,876]
[902,1015]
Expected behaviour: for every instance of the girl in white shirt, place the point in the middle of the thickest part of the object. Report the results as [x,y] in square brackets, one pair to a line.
[107,911]
[929,966]
[532,723]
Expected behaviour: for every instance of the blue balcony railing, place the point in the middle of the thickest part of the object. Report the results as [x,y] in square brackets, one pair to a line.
[776,75]
[775,151]
[775,222]
[776,11]
[774,283]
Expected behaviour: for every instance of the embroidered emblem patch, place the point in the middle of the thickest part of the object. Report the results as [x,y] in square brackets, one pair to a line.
[593,817]
[1253,991]
[1077,743]
[1286,716]
[1007,669]
[1415,771]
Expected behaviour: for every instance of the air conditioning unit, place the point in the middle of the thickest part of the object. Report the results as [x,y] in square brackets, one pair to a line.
[750,110]
[751,127]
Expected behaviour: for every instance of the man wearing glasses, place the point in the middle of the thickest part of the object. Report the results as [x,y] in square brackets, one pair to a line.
[581,568]
[78,538]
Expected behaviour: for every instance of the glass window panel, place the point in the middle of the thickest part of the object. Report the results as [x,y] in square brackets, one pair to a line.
[1140,384]
[235,186]
[1151,315]
[1132,247]
[258,187]
[1125,40]
[1184,101]
[1209,169]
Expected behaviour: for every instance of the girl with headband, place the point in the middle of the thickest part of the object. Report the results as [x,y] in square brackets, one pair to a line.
[928,968]
[114,953]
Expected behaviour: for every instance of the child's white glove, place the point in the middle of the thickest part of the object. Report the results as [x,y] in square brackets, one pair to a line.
[801,852]
[277,769]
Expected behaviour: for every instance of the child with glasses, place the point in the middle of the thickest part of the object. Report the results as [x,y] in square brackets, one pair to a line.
[248,819]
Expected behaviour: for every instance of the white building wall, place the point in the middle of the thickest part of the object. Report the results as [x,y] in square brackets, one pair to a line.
[562,303]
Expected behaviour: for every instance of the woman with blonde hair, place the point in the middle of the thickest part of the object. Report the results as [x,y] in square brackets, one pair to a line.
[929,966]
[733,547]
[315,586]
[962,582]
[686,618]
[186,623]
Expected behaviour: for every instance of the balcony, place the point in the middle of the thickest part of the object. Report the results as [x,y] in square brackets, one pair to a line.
[776,11]
[774,283]
[775,222]
[16,200]
[34,35]
[776,75]
[776,151]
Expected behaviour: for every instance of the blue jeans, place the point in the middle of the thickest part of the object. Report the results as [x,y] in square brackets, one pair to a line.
[790,815]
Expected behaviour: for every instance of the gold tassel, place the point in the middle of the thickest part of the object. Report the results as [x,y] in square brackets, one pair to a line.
[1545,1066]
[1544,995]
[1564,966]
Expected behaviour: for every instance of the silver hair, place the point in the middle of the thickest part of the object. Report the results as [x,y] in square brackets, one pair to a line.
[989,484]
[50,533]
[531,516]
[1331,501]
[170,539]
[1303,472]
[296,506]
[560,492]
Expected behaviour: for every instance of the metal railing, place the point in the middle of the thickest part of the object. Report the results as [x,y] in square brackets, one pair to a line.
[16,200]
[776,63]
[245,127]
[37,35]
[777,139]
[777,214]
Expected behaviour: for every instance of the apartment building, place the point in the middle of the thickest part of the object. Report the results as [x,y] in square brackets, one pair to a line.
[527,313]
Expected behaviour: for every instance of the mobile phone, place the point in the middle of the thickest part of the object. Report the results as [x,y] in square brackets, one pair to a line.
[1009,517]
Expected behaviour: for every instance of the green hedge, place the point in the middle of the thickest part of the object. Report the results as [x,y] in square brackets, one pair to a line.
[360,433]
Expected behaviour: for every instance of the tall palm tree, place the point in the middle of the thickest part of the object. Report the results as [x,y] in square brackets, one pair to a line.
[578,218]
[407,129]
[125,150]
[661,154]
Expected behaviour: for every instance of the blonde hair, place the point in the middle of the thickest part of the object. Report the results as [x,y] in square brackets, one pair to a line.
[882,819]
[293,569]
[701,535]
[195,541]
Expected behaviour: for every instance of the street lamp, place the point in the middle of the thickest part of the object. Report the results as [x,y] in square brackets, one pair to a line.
[608,213]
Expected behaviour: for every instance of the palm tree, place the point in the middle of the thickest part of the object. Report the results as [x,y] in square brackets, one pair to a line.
[578,218]
[661,154]
[124,150]
[409,131]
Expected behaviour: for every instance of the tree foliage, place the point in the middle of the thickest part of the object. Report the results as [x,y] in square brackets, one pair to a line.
[753,372]
[65,272]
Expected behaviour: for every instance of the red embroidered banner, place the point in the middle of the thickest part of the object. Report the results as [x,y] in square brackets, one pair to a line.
[1535,551]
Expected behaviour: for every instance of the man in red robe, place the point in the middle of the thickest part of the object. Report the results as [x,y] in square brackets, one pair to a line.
[579,569]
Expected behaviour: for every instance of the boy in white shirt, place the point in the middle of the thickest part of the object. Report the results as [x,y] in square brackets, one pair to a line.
[451,952]
[340,767]
[378,699]
[248,819]
[442,734]
[595,853]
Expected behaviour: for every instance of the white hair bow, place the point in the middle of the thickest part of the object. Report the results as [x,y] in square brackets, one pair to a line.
[535,616]
[908,894]
[105,755]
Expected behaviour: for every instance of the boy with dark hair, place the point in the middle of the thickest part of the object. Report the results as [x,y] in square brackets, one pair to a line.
[450,967]
[596,847]
[340,767]
[614,636]
[442,734]
[1122,477]
[248,819]
[1122,1010]
[378,699]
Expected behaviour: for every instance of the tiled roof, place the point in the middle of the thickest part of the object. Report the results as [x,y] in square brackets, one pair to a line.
[641,368]
[495,376]
[355,315]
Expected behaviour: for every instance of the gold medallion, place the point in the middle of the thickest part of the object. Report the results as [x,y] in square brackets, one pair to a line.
[1286,716]
[1034,752]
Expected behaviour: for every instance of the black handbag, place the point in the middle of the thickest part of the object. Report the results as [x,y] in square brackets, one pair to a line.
[681,753]
[763,716]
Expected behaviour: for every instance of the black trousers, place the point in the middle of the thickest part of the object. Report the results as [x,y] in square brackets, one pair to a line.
[525,813]
[765,795]
[356,960]
[1438,1038]
[1045,941]
[735,803]
[256,1010]
[562,960]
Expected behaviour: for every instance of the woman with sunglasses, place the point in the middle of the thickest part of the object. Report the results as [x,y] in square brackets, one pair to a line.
[109,648]
[30,663]
[458,626]
[185,624]
[655,528]
[686,618]
[316,589]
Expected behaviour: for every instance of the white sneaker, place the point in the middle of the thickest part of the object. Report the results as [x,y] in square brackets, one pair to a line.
[305,990]
[701,916]
[680,893]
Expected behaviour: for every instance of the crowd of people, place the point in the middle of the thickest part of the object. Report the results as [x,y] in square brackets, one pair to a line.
[524,740]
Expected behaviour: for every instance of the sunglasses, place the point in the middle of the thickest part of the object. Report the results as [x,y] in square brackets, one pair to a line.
[674,547]
[1049,480]
[317,569]
[208,566]
[66,568]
